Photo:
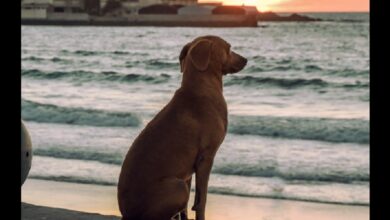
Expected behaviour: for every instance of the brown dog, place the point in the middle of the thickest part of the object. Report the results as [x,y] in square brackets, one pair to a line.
[182,139]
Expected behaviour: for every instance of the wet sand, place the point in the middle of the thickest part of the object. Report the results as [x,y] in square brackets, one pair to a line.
[62,201]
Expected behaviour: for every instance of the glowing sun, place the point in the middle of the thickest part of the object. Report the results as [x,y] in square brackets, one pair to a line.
[262,5]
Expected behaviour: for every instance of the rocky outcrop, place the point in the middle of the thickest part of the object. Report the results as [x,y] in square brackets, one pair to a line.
[297,17]
[271,16]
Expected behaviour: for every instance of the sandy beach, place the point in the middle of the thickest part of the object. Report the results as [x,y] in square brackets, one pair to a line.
[60,200]
[32,212]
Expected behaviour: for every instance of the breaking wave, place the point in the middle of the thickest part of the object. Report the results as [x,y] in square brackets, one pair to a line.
[81,75]
[322,129]
[33,111]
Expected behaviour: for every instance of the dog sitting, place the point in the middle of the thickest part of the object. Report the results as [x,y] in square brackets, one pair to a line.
[182,139]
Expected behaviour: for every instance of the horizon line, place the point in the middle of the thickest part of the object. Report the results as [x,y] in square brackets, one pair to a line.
[317,11]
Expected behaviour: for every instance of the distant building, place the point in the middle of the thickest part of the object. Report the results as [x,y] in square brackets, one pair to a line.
[68,6]
[210,3]
[103,3]
[153,2]
[37,2]
[196,10]
[92,7]
[179,2]
[134,5]
[113,8]
[251,9]
[54,10]
[37,9]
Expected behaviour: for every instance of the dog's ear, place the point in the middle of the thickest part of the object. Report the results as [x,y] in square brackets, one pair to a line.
[183,55]
[200,54]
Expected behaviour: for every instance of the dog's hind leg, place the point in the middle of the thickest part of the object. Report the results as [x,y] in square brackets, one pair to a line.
[184,213]
[168,197]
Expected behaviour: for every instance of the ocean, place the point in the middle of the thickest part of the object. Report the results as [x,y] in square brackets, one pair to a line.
[298,113]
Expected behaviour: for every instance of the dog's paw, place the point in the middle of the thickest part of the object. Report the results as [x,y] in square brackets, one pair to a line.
[195,208]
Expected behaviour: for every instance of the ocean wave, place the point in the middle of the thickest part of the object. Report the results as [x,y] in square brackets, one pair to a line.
[79,154]
[73,179]
[105,75]
[347,20]
[93,53]
[121,52]
[270,68]
[234,192]
[281,65]
[153,64]
[292,175]
[357,84]
[246,170]
[53,59]
[162,64]
[254,69]
[33,111]
[279,82]
[349,73]
[32,58]
[312,68]
[81,52]
[321,129]
[288,65]
[291,83]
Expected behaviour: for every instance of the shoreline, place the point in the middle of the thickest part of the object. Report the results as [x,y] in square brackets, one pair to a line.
[76,197]
[233,195]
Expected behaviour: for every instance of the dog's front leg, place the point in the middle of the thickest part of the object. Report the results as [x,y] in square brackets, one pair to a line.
[202,173]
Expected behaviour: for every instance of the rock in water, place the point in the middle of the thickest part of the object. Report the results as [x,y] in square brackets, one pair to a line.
[26,153]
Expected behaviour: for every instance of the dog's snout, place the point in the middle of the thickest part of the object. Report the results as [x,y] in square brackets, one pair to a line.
[237,63]
[242,60]
[245,60]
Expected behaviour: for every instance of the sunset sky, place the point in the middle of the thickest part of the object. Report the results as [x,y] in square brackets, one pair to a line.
[302,5]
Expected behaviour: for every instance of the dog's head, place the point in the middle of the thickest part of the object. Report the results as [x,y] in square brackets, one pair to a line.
[211,53]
